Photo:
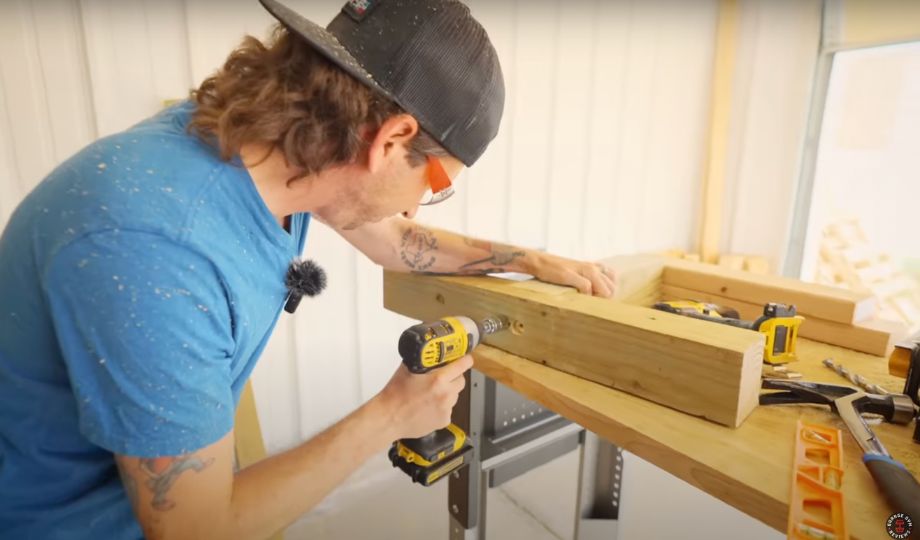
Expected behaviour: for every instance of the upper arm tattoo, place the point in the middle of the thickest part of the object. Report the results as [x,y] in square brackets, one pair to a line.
[130,484]
[161,473]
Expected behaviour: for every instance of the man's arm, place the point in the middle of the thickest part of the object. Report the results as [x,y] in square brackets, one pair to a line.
[196,495]
[402,245]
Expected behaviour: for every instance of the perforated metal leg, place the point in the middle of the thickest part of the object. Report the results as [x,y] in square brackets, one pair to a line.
[467,531]
[597,508]
[466,494]
[510,436]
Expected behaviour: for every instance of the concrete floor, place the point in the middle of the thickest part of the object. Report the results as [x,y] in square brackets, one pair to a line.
[380,503]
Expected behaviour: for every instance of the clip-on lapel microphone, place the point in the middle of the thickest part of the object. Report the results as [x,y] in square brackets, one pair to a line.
[303,278]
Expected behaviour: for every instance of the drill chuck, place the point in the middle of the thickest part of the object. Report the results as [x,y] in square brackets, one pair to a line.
[491,325]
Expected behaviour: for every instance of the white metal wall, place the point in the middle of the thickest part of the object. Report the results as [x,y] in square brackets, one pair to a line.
[775,63]
[599,152]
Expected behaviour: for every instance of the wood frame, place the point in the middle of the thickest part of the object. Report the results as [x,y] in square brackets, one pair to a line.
[822,301]
[871,337]
[700,368]
[704,369]
[832,315]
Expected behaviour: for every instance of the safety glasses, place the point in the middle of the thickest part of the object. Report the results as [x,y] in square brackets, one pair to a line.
[439,185]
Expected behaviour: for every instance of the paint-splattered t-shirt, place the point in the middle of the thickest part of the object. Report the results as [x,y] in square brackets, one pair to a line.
[139,283]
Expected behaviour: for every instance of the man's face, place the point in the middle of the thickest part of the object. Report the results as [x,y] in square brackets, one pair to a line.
[396,188]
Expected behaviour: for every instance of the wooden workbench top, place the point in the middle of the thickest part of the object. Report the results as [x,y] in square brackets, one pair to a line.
[749,467]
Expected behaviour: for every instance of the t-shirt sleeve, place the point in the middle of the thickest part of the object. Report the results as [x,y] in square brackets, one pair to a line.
[146,332]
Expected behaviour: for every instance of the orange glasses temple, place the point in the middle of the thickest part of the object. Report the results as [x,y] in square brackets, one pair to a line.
[437,176]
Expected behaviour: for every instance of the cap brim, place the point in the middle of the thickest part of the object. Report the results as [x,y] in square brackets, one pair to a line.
[323,41]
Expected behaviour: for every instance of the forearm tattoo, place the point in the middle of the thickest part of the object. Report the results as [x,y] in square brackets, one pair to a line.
[162,474]
[419,252]
[500,256]
[418,248]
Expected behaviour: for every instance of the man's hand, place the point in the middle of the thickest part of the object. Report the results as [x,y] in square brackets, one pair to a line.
[587,277]
[420,404]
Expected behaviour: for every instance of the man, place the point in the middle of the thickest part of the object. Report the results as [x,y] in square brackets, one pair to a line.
[142,278]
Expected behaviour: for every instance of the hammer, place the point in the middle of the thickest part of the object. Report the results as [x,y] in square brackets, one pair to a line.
[897,484]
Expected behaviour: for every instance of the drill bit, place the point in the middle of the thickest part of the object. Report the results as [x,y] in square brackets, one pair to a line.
[491,325]
[854,378]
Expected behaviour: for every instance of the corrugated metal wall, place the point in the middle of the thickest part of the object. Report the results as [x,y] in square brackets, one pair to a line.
[599,152]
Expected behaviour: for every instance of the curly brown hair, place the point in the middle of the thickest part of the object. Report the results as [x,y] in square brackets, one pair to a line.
[285,95]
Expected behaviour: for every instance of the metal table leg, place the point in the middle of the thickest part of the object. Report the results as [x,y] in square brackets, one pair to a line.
[510,436]
[466,496]
[597,507]
[458,530]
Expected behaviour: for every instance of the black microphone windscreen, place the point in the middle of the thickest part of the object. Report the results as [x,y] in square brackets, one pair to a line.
[305,278]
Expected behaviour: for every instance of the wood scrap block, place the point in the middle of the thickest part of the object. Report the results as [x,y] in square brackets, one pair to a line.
[757,264]
[842,272]
[707,370]
[735,262]
[638,277]
[673,253]
[873,337]
[822,301]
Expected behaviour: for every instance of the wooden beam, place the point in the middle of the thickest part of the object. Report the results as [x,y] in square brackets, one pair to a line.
[638,277]
[872,337]
[822,301]
[719,123]
[707,370]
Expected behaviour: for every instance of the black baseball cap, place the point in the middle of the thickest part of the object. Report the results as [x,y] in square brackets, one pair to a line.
[431,57]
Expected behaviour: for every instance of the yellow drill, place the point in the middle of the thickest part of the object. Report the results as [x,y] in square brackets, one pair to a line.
[428,346]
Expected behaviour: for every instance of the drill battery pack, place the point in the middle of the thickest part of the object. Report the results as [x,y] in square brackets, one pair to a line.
[432,457]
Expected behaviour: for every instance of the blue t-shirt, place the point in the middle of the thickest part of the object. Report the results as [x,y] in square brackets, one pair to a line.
[139,283]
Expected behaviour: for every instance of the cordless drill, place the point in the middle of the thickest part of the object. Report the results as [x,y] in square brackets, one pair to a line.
[425,347]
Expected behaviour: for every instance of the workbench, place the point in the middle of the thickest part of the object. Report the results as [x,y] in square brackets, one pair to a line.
[677,392]
[749,467]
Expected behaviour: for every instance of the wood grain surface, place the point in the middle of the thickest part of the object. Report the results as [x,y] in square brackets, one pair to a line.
[749,467]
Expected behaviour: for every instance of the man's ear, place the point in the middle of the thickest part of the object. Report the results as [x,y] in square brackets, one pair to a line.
[391,141]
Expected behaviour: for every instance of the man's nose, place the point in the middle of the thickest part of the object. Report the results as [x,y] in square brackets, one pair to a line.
[409,214]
